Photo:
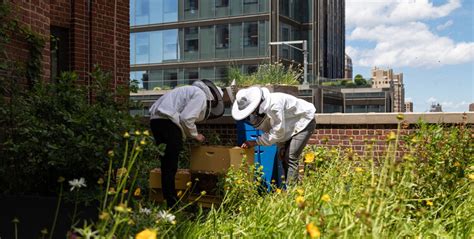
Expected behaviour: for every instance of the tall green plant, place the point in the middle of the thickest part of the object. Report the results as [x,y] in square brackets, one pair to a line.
[268,74]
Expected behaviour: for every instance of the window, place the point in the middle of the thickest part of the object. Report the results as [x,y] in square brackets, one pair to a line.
[222,37]
[251,34]
[191,75]
[222,3]
[191,41]
[191,5]
[248,2]
[59,50]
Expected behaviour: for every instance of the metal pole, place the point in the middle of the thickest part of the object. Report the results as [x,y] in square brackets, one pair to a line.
[305,62]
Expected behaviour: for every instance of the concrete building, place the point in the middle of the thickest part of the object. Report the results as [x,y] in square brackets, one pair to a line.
[77,34]
[471,107]
[174,42]
[348,67]
[382,78]
[436,107]
[408,106]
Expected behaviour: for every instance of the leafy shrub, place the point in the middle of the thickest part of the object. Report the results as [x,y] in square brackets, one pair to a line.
[53,130]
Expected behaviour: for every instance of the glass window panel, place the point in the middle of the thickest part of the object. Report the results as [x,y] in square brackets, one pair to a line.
[207,9]
[156,47]
[132,49]
[263,38]
[250,38]
[170,11]
[222,41]
[132,12]
[222,75]
[236,7]
[207,37]
[191,43]
[156,11]
[236,40]
[250,6]
[191,75]
[263,6]
[207,73]
[191,9]
[222,8]
[170,78]
[142,41]
[170,45]
[284,7]
[142,14]
[155,79]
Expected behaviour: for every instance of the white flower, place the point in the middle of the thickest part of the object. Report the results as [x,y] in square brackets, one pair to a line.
[145,211]
[77,183]
[166,216]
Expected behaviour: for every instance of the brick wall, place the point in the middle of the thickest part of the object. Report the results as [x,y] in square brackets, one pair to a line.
[98,34]
[354,131]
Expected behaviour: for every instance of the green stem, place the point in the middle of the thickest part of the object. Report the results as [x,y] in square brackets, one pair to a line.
[57,211]
[108,185]
[75,209]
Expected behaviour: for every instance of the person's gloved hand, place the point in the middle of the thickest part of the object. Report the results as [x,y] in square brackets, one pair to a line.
[200,138]
[249,144]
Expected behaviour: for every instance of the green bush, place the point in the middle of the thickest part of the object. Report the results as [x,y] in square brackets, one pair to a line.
[267,74]
[54,130]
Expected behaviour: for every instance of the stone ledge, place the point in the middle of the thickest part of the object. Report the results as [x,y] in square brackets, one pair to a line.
[391,118]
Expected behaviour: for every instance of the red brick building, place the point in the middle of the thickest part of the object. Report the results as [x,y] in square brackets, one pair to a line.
[78,34]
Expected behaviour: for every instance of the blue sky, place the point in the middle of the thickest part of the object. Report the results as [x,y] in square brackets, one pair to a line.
[430,41]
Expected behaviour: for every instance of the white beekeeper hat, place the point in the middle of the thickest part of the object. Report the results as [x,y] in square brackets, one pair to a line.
[246,101]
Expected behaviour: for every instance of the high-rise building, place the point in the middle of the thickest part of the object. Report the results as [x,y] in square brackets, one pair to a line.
[348,68]
[408,106]
[382,78]
[174,42]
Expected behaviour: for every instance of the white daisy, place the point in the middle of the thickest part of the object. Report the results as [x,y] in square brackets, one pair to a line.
[77,183]
[166,216]
[145,211]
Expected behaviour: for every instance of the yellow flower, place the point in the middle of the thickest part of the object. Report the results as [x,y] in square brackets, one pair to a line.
[301,171]
[131,222]
[126,135]
[471,176]
[429,203]
[122,208]
[104,216]
[146,234]
[61,179]
[400,116]
[300,191]
[313,230]
[146,133]
[300,202]
[137,192]
[309,157]
[44,231]
[125,191]
[121,172]
[391,136]
[110,153]
[326,198]
[100,181]
[203,193]
[137,132]
[278,190]
[359,169]
[142,142]
[179,193]
[456,164]
[138,148]
[188,184]
[111,191]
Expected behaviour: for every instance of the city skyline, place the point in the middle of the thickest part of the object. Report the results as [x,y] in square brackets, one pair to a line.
[430,42]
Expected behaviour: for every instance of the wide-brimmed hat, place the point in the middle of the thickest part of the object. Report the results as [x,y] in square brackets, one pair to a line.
[246,101]
[214,95]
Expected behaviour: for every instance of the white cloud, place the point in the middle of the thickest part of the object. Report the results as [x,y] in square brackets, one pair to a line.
[399,35]
[431,100]
[367,13]
[408,99]
[444,25]
[450,106]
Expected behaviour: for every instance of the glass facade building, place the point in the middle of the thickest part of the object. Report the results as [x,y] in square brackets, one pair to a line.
[173,42]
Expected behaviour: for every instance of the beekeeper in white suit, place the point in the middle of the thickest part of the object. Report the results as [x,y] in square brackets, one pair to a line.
[173,118]
[285,119]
